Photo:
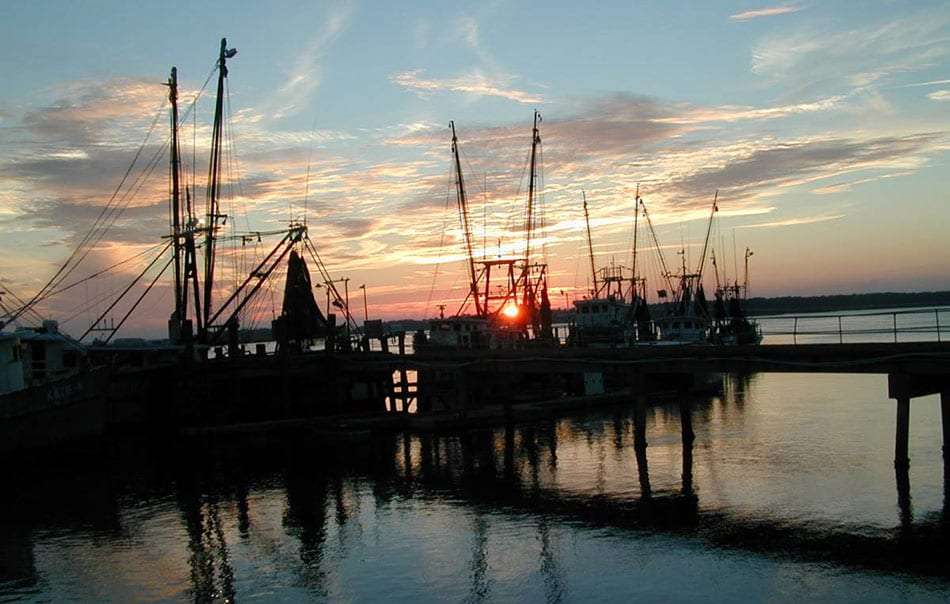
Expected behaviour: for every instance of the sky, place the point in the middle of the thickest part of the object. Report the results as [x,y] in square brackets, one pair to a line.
[824,127]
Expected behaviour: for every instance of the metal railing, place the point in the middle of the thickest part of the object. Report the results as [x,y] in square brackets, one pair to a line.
[923,324]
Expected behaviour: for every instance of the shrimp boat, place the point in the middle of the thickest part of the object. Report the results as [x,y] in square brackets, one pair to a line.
[689,318]
[615,313]
[49,393]
[731,325]
[507,299]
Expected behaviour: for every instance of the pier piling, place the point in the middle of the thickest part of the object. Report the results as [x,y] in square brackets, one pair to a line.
[945,420]
[686,423]
[901,457]
[640,445]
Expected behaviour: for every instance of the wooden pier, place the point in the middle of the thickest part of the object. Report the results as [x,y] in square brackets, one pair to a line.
[914,369]
[431,390]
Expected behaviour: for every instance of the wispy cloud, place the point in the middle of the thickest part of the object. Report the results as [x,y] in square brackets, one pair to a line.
[733,113]
[817,60]
[939,95]
[770,11]
[921,84]
[792,222]
[305,77]
[770,165]
[474,83]
[839,187]
[487,79]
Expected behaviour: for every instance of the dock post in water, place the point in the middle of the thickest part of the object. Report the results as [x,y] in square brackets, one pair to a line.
[640,444]
[901,458]
[686,423]
[945,421]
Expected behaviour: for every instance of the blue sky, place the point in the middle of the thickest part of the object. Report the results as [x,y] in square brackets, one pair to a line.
[823,125]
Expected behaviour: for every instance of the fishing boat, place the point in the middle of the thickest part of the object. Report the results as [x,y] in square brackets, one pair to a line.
[49,393]
[615,313]
[689,318]
[731,325]
[507,303]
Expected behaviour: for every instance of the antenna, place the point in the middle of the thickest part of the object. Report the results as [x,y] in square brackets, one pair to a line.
[745,287]
[735,260]
[485,218]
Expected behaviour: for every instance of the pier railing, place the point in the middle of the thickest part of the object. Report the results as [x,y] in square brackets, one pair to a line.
[913,325]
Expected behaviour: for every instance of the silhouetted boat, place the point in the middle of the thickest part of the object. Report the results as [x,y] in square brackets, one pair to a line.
[49,393]
[509,296]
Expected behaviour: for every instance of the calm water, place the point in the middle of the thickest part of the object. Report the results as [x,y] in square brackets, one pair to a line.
[792,496]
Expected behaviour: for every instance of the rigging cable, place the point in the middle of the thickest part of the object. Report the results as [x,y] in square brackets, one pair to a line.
[100,272]
[445,210]
[109,212]
[126,290]
[116,328]
[53,280]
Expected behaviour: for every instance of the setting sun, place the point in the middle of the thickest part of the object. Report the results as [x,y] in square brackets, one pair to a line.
[511,311]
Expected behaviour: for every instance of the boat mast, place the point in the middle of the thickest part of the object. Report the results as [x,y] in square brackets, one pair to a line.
[529,224]
[463,217]
[636,230]
[176,194]
[214,180]
[715,269]
[656,242]
[702,259]
[590,247]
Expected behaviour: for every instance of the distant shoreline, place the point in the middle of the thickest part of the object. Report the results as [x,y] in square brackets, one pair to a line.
[844,302]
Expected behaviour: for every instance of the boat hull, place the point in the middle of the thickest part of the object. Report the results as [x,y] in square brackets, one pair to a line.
[52,413]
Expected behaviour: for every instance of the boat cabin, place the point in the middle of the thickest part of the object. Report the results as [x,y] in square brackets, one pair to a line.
[600,321]
[688,329]
[47,354]
[600,312]
[459,332]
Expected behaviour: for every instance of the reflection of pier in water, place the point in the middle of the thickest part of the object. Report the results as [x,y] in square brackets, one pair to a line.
[522,472]
[487,471]
[513,485]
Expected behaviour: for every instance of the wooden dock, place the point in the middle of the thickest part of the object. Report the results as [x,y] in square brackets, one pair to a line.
[914,369]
